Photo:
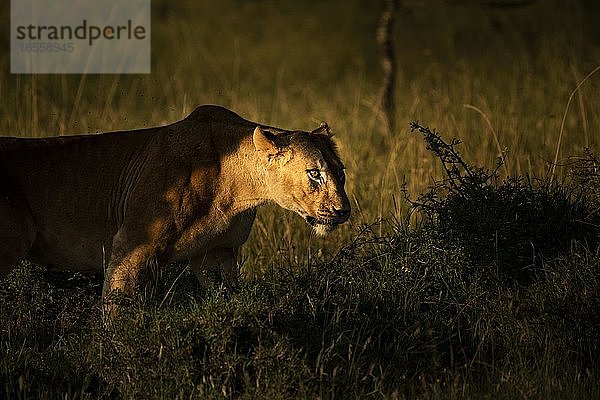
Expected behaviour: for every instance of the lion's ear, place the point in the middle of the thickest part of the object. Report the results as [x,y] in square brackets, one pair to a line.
[264,142]
[323,129]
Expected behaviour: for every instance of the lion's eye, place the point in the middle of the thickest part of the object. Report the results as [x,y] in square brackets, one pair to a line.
[315,175]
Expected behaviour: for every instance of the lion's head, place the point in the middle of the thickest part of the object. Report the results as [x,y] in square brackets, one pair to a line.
[305,174]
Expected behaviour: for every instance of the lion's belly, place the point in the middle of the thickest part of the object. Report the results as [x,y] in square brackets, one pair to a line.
[70,253]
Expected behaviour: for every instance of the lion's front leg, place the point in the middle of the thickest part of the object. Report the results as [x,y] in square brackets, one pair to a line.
[217,263]
[124,274]
[128,269]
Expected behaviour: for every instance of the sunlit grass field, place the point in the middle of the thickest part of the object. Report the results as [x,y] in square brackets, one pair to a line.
[502,80]
[499,79]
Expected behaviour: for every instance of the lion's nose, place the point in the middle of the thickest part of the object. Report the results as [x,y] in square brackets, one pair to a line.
[342,214]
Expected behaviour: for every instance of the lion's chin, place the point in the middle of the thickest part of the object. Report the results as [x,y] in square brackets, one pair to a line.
[323,229]
[319,228]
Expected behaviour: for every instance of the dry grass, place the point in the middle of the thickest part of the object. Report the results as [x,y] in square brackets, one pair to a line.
[497,78]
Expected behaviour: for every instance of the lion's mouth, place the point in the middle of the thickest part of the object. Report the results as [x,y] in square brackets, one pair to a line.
[312,221]
[322,226]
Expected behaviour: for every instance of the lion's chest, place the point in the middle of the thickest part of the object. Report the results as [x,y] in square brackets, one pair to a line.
[209,233]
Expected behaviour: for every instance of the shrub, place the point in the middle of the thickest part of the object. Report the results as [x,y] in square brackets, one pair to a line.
[516,224]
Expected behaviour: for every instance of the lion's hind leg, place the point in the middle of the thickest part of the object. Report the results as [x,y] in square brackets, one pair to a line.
[17,229]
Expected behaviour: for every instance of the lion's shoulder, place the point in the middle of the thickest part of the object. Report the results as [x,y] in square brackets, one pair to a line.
[213,113]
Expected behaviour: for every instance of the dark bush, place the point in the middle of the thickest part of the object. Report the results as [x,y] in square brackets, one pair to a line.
[517,224]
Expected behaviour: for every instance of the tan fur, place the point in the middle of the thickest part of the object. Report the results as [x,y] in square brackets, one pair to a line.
[186,191]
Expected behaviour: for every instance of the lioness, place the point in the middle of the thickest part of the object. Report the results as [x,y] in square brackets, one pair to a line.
[185,191]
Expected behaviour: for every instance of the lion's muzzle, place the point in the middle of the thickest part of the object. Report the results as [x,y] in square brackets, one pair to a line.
[325,222]
[342,215]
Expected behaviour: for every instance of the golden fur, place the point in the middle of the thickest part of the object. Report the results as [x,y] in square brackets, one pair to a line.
[186,191]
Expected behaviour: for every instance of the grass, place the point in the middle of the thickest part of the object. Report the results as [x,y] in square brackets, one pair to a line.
[452,296]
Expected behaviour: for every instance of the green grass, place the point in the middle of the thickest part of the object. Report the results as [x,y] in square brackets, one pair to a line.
[453,300]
